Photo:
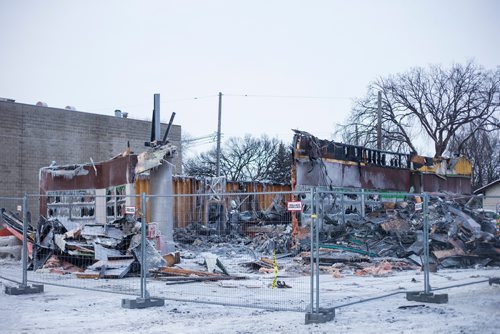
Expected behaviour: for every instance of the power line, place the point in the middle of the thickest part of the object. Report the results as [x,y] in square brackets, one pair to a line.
[292,96]
[193,98]
[168,100]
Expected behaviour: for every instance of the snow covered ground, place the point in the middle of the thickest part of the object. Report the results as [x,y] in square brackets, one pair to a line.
[471,309]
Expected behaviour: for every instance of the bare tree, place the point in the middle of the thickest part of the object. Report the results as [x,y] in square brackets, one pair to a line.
[434,104]
[247,158]
[483,149]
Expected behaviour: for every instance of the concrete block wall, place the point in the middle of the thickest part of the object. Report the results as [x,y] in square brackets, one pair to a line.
[32,137]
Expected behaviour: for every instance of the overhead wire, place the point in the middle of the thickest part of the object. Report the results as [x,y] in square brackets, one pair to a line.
[168,100]
[291,96]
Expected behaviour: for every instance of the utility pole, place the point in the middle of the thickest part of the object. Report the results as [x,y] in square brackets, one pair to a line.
[218,136]
[379,121]
[357,135]
[156,119]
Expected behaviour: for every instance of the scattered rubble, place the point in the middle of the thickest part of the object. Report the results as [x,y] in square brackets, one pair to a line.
[89,250]
[388,238]
[459,235]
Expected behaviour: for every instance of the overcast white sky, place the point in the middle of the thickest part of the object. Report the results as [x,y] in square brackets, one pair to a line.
[104,55]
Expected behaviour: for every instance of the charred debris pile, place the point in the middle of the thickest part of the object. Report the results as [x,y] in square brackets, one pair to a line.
[461,236]
[89,250]
[388,237]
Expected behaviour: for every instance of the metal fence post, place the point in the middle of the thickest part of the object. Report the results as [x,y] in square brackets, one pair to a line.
[144,265]
[316,314]
[311,230]
[426,244]
[343,209]
[426,296]
[363,203]
[144,300]
[316,206]
[24,255]
[23,287]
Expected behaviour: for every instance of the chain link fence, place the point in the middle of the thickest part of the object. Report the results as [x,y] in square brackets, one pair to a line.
[236,249]
[274,250]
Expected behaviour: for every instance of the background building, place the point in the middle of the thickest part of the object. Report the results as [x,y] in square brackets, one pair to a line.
[32,137]
[489,190]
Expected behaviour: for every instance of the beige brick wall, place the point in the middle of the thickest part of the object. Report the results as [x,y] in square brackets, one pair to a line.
[32,137]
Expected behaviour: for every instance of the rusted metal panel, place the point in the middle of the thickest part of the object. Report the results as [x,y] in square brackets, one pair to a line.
[451,184]
[191,208]
[337,174]
[106,174]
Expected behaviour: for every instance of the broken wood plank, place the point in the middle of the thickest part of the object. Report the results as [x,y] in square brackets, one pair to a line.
[395,225]
[172,258]
[183,280]
[173,271]
[441,254]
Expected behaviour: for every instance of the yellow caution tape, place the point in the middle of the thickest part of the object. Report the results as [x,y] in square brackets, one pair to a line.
[275,266]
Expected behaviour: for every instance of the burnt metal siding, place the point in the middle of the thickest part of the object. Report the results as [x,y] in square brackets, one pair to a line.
[110,173]
[189,209]
[337,174]
[453,184]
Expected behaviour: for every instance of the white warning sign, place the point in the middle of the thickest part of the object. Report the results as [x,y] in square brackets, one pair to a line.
[294,206]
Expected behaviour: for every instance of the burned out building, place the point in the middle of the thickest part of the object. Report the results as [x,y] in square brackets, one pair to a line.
[336,165]
[97,194]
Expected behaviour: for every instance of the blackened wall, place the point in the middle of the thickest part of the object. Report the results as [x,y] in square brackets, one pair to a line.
[32,137]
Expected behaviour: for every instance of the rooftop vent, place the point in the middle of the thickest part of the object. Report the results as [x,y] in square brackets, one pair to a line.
[70,108]
[41,104]
[121,114]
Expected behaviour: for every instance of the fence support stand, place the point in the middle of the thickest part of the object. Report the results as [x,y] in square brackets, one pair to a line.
[24,288]
[426,296]
[363,213]
[316,315]
[144,301]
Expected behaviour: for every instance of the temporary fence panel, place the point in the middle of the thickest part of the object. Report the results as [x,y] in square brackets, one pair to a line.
[239,255]
[11,238]
[242,248]
[362,235]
